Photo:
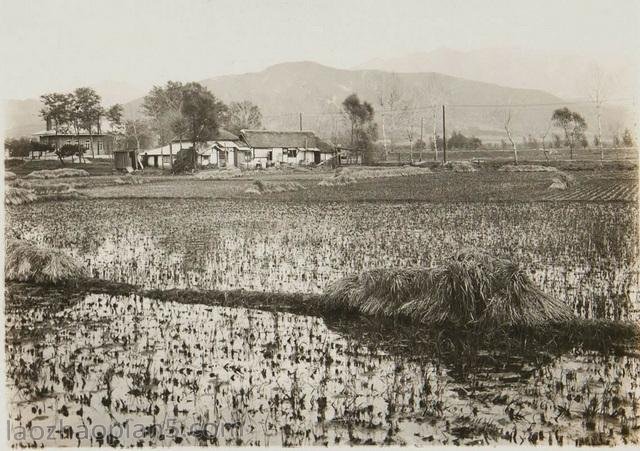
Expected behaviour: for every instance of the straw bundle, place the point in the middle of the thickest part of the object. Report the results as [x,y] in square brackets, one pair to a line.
[57,173]
[8,175]
[470,288]
[25,262]
[459,166]
[18,196]
[262,187]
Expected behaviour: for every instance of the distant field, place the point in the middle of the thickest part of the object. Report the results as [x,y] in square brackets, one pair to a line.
[404,155]
[440,186]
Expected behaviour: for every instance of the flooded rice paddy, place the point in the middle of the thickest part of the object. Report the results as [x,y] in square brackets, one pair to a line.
[133,371]
[126,370]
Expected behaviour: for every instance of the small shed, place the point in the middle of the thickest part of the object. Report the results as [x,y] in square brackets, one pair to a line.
[126,160]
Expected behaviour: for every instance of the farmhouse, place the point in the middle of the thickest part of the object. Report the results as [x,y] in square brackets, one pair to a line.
[103,144]
[275,148]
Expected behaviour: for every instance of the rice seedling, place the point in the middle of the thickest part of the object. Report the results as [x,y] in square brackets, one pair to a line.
[57,173]
[18,196]
[470,288]
[225,375]
[27,262]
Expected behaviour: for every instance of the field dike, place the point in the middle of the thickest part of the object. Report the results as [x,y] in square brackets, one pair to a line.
[469,292]
[263,187]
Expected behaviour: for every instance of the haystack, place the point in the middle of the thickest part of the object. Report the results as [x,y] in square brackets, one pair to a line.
[18,196]
[459,166]
[26,262]
[57,173]
[8,175]
[263,187]
[469,289]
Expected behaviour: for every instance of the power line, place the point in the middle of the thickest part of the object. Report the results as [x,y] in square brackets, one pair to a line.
[460,105]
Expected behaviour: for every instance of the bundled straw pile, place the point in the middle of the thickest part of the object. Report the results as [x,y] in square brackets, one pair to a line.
[459,166]
[18,196]
[223,174]
[351,176]
[526,168]
[8,175]
[471,288]
[25,262]
[57,173]
[262,187]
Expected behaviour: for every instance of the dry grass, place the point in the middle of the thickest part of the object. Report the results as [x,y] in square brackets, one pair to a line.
[459,166]
[470,288]
[18,196]
[264,187]
[26,262]
[57,173]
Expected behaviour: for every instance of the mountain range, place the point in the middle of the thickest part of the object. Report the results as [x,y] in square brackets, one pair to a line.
[284,91]
[568,76]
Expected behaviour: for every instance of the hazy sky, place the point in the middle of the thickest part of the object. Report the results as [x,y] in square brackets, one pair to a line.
[47,45]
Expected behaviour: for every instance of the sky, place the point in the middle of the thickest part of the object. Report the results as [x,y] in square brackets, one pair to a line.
[62,44]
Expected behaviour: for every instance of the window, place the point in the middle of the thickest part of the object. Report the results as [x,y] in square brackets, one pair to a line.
[291,153]
[100,146]
[87,144]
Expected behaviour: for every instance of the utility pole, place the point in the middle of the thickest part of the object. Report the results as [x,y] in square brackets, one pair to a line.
[444,136]
[300,121]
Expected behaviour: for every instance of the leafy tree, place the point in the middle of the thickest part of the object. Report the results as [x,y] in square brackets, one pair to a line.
[57,111]
[243,115]
[87,111]
[18,148]
[363,128]
[137,134]
[627,138]
[573,125]
[114,116]
[163,105]
[202,112]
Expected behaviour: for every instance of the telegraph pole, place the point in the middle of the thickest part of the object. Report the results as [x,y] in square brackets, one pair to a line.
[300,121]
[444,137]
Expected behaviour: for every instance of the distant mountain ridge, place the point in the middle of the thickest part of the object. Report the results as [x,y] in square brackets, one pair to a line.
[565,75]
[285,90]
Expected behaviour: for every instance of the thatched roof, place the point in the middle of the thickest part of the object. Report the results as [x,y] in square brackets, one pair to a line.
[271,138]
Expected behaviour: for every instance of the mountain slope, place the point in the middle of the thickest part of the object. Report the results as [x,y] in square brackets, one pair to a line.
[565,75]
[285,90]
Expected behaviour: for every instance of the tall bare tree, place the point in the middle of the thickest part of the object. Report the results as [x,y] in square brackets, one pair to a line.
[389,96]
[508,130]
[598,95]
